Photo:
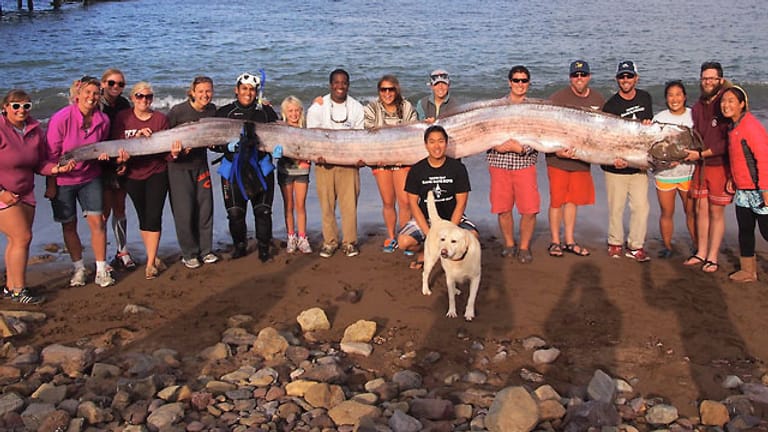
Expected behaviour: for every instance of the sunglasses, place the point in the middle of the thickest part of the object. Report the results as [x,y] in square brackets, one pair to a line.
[387,89]
[148,96]
[27,106]
[113,83]
[439,76]
[520,80]
[579,75]
[625,76]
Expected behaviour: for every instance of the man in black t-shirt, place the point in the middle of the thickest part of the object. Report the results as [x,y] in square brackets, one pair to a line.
[623,183]
[447,178]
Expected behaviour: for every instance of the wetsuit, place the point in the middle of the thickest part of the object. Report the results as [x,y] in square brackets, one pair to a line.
[258,187]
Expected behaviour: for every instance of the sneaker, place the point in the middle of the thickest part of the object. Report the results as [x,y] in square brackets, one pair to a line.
[328,250]
[614,251]
[191,263]
[210,258]
[127,261]
[390,245]
[638,255]
[264,252]
[104,279]
[350,250]
[78,278]
[665,253]
[304,246]
[23,297]
[239,251]
[293,244]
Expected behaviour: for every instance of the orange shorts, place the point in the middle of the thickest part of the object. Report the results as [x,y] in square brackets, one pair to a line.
[573,187]
[683,186]
[711,185]
[514,187]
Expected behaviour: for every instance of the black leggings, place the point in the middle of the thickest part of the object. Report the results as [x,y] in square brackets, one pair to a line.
[746,219]
[148,198]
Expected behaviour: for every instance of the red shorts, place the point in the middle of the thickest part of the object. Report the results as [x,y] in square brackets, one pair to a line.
[573,187]
[514,187]
[711,185]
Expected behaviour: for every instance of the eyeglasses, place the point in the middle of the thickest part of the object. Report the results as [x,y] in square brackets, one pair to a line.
[387,89]
[27,106]
[140,96]
[579,75]
[113,83]
[709,79]
[625,76]
[346,114]
[520,80]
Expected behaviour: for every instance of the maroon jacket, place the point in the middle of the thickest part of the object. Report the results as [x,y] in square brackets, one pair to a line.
[709,122]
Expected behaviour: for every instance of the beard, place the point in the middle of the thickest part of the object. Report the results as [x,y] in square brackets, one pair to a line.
[709,94]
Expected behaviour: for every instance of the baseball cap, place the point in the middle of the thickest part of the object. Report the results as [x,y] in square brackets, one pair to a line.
[439,76]
[250,79]
[626,67]
[579,66]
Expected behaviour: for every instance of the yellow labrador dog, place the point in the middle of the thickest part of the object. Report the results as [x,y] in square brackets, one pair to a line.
[459,253]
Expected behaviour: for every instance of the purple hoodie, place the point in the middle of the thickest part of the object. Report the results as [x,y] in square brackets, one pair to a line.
[65,132]
[21,157]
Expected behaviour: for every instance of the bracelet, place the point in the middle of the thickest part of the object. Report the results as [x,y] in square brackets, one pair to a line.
[700,156]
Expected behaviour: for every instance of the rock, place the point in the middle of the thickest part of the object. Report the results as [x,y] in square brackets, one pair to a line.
[366,398]
[297,354]
[26,316]
[72,361]
[144,388]
[168,394]
[9,374]
[238,336]
[50,393]
[298,387]
[92,413]
[732,382]
[328,372]
[104,370]
[167,356]
[402,422]
[713,413]
[239,320]
[383,389]
[55,422]
[531,376]
[407,379]
[357,348]
[463,411]
[200,400]
[134,309]
[581,416]
[533,342]
[601,387]
[313,319]
[545,356]
[10,402]
[755,392]
[361,331]
[166,415]
[546,392]
[512,410]
[551,409]
[433,409]
[623,386]
[7,328]
[662,414]
[475,377]
[241,376]
[270,343]
[322,395]
[220,351]
[219,387]
[35,413]
[263,377]
[350,412]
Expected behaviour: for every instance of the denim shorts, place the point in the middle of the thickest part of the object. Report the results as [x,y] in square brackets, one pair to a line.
[87,194]
[411,228]
[286,179]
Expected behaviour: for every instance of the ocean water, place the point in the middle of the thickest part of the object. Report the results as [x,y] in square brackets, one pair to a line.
[169,42]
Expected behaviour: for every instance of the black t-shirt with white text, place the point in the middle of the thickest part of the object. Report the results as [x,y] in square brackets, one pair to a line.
[445,181]
[638,108]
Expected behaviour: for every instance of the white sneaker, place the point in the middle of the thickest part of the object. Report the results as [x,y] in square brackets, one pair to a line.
[191,263]
[78,278]
[210,258]
[104,279]
[293,243]
[304,246]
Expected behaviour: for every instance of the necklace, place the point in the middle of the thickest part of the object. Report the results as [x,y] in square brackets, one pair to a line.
[346,113]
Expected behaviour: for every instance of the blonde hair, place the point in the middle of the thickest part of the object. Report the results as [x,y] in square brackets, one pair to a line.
[112,71]
[139,86]
[293,100]
[74,89]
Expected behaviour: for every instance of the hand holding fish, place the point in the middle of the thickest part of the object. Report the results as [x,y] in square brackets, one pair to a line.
[567,153]
[620,163]
[509,146]
[65,168]
[177,149]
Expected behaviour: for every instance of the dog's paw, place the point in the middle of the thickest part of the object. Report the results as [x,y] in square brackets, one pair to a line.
[451,314]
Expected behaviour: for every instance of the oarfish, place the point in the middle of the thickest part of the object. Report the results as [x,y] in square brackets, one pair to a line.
[595,137]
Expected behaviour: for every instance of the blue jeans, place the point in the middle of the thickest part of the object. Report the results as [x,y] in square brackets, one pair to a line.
[89,195]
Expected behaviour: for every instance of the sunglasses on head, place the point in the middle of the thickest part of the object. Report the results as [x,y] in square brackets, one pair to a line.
[387,89]
[439,76]
[520,80]
[579,75]
[26,105]
[148,96]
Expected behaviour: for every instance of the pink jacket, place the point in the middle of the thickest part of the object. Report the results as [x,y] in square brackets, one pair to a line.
[22,157]
[749,129]
[65,132]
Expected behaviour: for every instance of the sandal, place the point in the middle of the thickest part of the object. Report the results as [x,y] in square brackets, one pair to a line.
[710,267]
[576,249]
[694,260]
[524,256]
[555,250]
[509,251]
[416,265]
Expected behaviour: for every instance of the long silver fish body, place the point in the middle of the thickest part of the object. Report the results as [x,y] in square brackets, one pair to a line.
[596,137]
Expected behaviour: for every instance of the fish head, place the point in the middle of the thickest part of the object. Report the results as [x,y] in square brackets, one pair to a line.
[672,146]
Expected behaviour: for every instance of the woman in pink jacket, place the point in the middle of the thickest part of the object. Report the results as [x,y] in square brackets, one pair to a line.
[22,154]
[748,155]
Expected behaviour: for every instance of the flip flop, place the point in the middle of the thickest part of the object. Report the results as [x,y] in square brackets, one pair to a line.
[694,260]
[576,249]
[416,265]
[710,267]
[555,250]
